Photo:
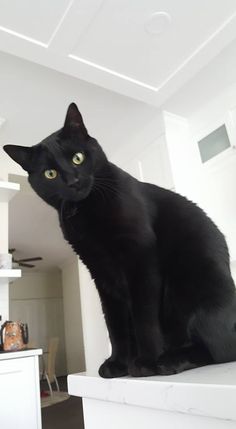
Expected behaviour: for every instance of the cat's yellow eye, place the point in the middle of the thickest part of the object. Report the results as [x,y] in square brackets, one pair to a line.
[50,174]
[78,158]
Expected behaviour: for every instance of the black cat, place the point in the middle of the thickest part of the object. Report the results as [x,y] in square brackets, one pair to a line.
[160,264]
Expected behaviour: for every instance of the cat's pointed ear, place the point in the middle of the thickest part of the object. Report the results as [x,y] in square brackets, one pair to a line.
[20,154]
[74,119]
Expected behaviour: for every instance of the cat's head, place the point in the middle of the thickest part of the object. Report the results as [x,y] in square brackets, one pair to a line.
[63,166]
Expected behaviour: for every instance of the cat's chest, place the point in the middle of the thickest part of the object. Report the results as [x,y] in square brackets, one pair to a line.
[86,227]
[109,230]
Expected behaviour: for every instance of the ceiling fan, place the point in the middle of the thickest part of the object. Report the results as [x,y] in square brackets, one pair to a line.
[24,262]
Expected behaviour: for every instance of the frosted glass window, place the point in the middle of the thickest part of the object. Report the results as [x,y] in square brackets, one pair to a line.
[214,143]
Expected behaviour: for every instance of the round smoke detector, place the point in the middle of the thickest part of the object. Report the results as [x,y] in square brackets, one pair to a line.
[157,23]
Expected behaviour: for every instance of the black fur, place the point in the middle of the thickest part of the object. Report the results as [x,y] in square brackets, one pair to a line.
[160,264]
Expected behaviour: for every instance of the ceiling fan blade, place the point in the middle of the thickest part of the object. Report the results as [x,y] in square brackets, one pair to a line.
[21,264]
[37,258]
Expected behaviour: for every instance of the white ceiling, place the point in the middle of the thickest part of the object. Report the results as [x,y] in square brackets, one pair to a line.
[106,41]
[35,20]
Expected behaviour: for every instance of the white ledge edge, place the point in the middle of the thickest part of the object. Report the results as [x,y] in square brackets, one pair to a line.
[208,391]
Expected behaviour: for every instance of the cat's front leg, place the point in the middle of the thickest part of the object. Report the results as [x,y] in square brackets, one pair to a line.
[117,320]
[145,290]
[149,342]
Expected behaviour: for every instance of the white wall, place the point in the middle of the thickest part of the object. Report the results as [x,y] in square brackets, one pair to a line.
[36,298]
[37,284]
[146,129]
[72,317]
[34,100]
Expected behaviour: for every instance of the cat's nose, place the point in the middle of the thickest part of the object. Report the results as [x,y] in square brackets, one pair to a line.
[73,181]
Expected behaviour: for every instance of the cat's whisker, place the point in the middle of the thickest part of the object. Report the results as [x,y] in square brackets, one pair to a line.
[108,193]
[108,187]
[106,178]
[100,192]
[112,184]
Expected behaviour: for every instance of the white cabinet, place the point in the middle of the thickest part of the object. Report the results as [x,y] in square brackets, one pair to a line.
[9,275]
[19,390]
[8,190]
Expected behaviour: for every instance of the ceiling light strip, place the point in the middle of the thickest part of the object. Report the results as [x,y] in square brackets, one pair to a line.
[22,36]
[113,73]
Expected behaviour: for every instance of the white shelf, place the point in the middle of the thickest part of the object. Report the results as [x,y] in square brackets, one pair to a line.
[9,275]
[8,190]
[20,354]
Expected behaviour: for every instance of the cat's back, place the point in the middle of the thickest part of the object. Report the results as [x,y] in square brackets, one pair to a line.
[182,228]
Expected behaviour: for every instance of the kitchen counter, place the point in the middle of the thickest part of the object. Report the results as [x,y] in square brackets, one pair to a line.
[203,397]
[19,353]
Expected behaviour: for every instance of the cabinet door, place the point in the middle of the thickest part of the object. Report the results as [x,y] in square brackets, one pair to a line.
[155,166]
[152,165]
[19,394]
[133,168]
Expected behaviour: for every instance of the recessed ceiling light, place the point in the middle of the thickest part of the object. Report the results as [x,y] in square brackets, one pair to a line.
[157,23]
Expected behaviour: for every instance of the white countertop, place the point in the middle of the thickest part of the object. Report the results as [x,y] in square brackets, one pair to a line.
[20,354]
[207,391]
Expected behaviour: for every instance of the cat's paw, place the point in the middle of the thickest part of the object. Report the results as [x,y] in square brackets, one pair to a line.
[112,368]
[166,369]
[141,367]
